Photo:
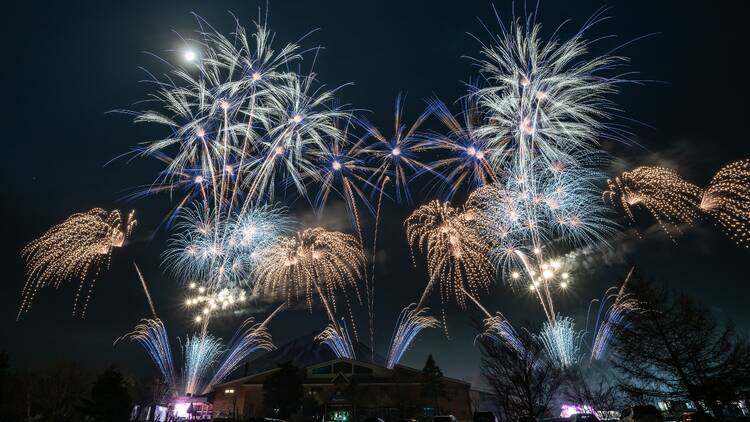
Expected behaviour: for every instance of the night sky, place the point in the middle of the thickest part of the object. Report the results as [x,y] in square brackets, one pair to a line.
[67,64]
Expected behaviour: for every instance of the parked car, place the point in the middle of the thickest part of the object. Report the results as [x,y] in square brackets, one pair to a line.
[444,418]
[696,417]
[646,413]
[484,417]
[584,417]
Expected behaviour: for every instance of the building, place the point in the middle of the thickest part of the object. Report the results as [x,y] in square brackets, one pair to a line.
[350,390]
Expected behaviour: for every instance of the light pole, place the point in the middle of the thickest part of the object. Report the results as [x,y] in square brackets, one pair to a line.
[230,392]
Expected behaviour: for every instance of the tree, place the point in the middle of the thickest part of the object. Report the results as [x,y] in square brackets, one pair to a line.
[110,399]
[282,391]
[56,391]
[432,383]
[675,349]
[593,386]
[524,382]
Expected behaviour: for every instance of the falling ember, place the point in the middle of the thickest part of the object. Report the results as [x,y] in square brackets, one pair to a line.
[74,249]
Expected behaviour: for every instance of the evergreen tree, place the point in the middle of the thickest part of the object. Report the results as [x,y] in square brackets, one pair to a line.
[432,383]
[110,400]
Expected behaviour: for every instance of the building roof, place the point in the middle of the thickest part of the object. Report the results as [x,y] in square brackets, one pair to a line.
[360,370]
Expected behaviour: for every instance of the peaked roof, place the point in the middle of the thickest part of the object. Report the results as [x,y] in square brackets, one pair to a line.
[338,375]
[305,351]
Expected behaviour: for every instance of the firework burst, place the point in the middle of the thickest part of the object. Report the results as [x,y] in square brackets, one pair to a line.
[545,99]
[317,262]
[74,249]
[457,257]
[240,125]
[663,193]
[468,157]
[219,251]
[208,303]
[397,157]
[727,200]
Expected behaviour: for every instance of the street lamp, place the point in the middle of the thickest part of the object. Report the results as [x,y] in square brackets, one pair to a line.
[230,391]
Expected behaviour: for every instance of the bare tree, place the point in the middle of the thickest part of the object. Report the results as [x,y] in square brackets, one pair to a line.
[524,382]
[675,349]
[593,385]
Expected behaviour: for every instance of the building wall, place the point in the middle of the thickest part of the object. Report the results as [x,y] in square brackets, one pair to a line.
[391,394]
[247,400]
[389,401]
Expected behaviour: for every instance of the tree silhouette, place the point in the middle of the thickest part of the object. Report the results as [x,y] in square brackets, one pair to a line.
[524,382]
[110,400]
[432,383]
[282,391]
[675,349]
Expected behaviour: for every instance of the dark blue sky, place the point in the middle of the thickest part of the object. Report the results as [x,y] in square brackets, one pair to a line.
[66,65]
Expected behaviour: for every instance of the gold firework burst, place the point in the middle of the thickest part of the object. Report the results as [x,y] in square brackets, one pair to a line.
[662,192]
[74,249]
[457,256]
[316,261]
[727,199]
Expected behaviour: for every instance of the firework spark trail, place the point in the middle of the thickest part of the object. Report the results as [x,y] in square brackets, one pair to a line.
[727,200]
[499,329]
[82,244]
[152,336]
[145,290]
[249,338]
[561,341]
[336,336]
[371,295]
[663,193]
[201,352]
[622,305]
[344,167]
[411,321]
